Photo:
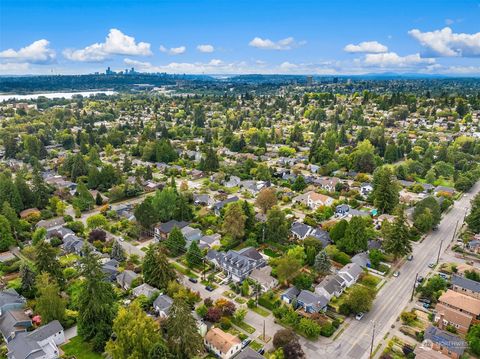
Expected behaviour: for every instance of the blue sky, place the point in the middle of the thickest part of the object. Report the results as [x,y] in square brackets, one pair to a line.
[234,37]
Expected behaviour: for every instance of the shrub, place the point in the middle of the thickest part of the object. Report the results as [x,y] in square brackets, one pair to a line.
[225,323]
[327,330]
[310,328]
[251,304]
[408,317]
[269,303]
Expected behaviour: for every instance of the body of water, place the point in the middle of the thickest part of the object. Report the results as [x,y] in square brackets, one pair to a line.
[52,95]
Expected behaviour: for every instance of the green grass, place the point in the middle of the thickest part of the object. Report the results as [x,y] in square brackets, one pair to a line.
[248,328]
[255,345]
[79,349]
[68,259]
[240,300]
[261,311]
[184,270]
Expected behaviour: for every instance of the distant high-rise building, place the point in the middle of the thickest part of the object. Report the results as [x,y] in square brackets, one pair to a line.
[109,71]
[335,80]
[309,80]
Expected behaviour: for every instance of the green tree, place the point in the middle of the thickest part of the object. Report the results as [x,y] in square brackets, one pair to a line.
[96,302]
[277,227]
[209,161]
[6,236]
[46,261]
[41,190]
[363,158]
[473,218]
[427,214]
[385,190]
[473,339]
[299,184]
[360,299]
[322,263]
[26,194]
[145,213]
[194,255]
[338,230]
[160,351]
[397,236]
[356,236]
[135,334]
[287,267]
[165,203]
[84,199]
[118,253]
[49,304]
[234,221]
[182,334]
[27,276]
[79,167]
[9,193]
[157,271]
[175,242]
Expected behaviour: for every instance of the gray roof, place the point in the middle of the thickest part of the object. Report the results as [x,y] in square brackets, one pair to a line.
[13,320]
[127,277]
[10,296]
[25,345]
[168,226]
[311,299]
[291,293]
[219,205]
[466,283]
[332,284]
[163,303]
[249,353]
[353,269]
[446,339]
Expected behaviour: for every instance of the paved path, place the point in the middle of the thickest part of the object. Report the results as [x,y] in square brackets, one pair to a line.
[70,333]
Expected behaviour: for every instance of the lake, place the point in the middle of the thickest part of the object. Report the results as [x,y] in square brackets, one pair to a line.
[52,95]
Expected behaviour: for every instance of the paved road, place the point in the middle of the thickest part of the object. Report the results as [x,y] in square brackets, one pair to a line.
[355,341]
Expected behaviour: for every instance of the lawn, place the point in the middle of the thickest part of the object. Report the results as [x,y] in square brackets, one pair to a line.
[184,270]
[261,311]
[77,348]
[255,345]
[248,328]
[240,300]
[68,259]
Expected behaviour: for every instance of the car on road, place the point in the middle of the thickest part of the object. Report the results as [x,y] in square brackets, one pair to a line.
[431,265]
[261,351]
[209,288]
[193,280]
[426,305]
[359,316]
[396,273]
[246,342]
[443,275]
[420,279]
[410,257]
[424,300]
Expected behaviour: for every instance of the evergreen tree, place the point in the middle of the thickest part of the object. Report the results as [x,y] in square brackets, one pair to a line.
[356,236]
[9,193]
[210,162]
[182,334]
[175,242]
[160,351]
[299,184]
[148,173]
[79,167]
[26,194]
[385,190]
[135,334]
[46,261]
[96,302]
[165,203]
[157,271]
[118,253]
[6,236]
[84,199]
[183,211]
[145,213]
[194,255]
[40,190]
[98,199]
[322,262]
[49,304]
[397,236]
[337,232]
[277,229]
[27,276]
[473,219]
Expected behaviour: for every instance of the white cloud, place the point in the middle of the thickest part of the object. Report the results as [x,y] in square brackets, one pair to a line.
[173,50]
[116,43]
[447,43]
[373,47]
[267,44]
[37,52]
[392,59]
[14,68]
[206,48]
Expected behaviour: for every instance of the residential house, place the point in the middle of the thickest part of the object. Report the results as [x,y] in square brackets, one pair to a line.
[457,309]
[202,200]
[249,353]
[110,269]
[313,200]
[191,234]
[366,188]
[144,289]
[442,189]
[342,210]
[162,305]
[223,344]
[332,286]
[474,246]
[302,231]
[12,322]
[217,207]
[290,295]
[210,241]
[234,181]
[350,273]
[311,302]
[30,212]
[162,230]
[11,300]
[237,265]
[263,277]
[444,342]
[73,244]
[42,343]
[126,278]
[465,286]
[51,223]
[327,183]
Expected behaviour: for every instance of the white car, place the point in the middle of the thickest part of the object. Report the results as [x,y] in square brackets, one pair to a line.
[396,273]
[359,316]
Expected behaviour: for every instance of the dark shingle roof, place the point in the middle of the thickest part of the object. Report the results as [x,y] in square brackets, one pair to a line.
[466,283]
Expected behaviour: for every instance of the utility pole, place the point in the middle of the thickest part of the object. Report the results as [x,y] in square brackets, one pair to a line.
[373,338]
[439,250]
[413,289]
[203,272]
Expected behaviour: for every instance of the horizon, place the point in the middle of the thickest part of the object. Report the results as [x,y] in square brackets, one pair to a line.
[431,38]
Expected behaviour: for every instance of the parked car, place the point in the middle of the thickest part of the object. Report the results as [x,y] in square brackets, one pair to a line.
[209,288]
[396,273]
[246,342]
[443,275]
[431,265]
[410,257]
[426,305]
[261,351]
[193,280]
[420,279]
[359,316]
[424,300]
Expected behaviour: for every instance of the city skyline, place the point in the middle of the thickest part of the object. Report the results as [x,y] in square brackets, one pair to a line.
[306,37]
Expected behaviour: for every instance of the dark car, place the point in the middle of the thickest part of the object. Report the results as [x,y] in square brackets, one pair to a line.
[210,289]
[193,280]
[424,300]
[420,279]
